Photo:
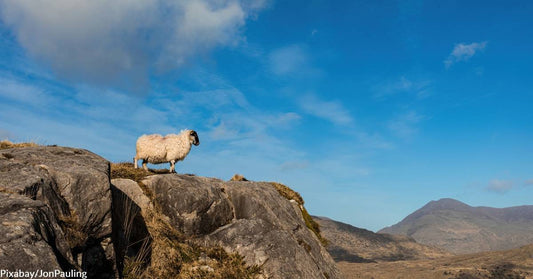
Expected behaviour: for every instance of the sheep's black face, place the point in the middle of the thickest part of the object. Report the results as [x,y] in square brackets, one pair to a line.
[194,138]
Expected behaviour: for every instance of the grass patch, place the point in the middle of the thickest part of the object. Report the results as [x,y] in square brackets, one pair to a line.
[175,256]
[5,144]
[215,263]
[7,191]
[238,177]
[290,194]
[73,230]
[127,170]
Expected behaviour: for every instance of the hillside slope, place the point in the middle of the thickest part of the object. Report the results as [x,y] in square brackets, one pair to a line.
[509,264]
[460,228]
[352,244]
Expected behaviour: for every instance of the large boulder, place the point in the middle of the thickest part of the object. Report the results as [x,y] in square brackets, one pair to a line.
[30,237]
[74,186]
[250,218]
[72,181]
[194,205]
[270,231]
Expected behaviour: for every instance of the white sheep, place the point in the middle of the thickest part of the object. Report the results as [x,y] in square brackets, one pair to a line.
[156,149]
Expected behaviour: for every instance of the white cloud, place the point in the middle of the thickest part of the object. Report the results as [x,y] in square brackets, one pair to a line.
[223,132]
[463,52]
[419,88]
[119,43]
[288,60]
[14,90]
[332,110]
[113,120]
[405,125]
[374,141]
[500,186]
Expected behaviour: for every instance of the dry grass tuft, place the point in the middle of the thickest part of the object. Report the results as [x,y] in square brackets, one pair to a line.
[290,194]
[73,230]
[5,144]
[175,256]
[126,170]
[215,263]
[238,177]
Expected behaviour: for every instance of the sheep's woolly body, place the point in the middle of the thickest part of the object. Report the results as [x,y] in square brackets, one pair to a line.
[157,149]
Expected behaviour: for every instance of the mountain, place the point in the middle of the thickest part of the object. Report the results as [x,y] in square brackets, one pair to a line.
[460,228]
[351,244]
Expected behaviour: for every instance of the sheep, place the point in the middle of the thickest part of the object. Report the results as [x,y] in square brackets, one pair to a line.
[156,149]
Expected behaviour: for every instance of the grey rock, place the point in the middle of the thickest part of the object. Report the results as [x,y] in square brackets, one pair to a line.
[270,231]
[67,179]
[129,228]
[74,186]
[30,237]
[250,218]
[131,189]
[194,205]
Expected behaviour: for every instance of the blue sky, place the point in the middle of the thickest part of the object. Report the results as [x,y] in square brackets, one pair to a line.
[369,109]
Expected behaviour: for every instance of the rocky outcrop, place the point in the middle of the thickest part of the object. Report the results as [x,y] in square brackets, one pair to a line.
[63,196]
[250,218]
[270,231]
[59,209]
[30,238]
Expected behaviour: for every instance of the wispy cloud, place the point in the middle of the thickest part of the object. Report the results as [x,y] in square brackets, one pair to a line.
[105,43]
[528,182]
[17,91]
[463,52]
[419,88]
[288,60]
[405,125]
[500,186]
[331,110]
[294,165]
[109,122]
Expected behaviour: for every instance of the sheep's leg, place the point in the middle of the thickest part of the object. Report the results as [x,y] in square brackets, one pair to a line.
[135,161]
[144,165]
[172,166]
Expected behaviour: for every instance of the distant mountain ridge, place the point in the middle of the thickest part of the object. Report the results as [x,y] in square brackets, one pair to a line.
[351,244]
[460,228]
